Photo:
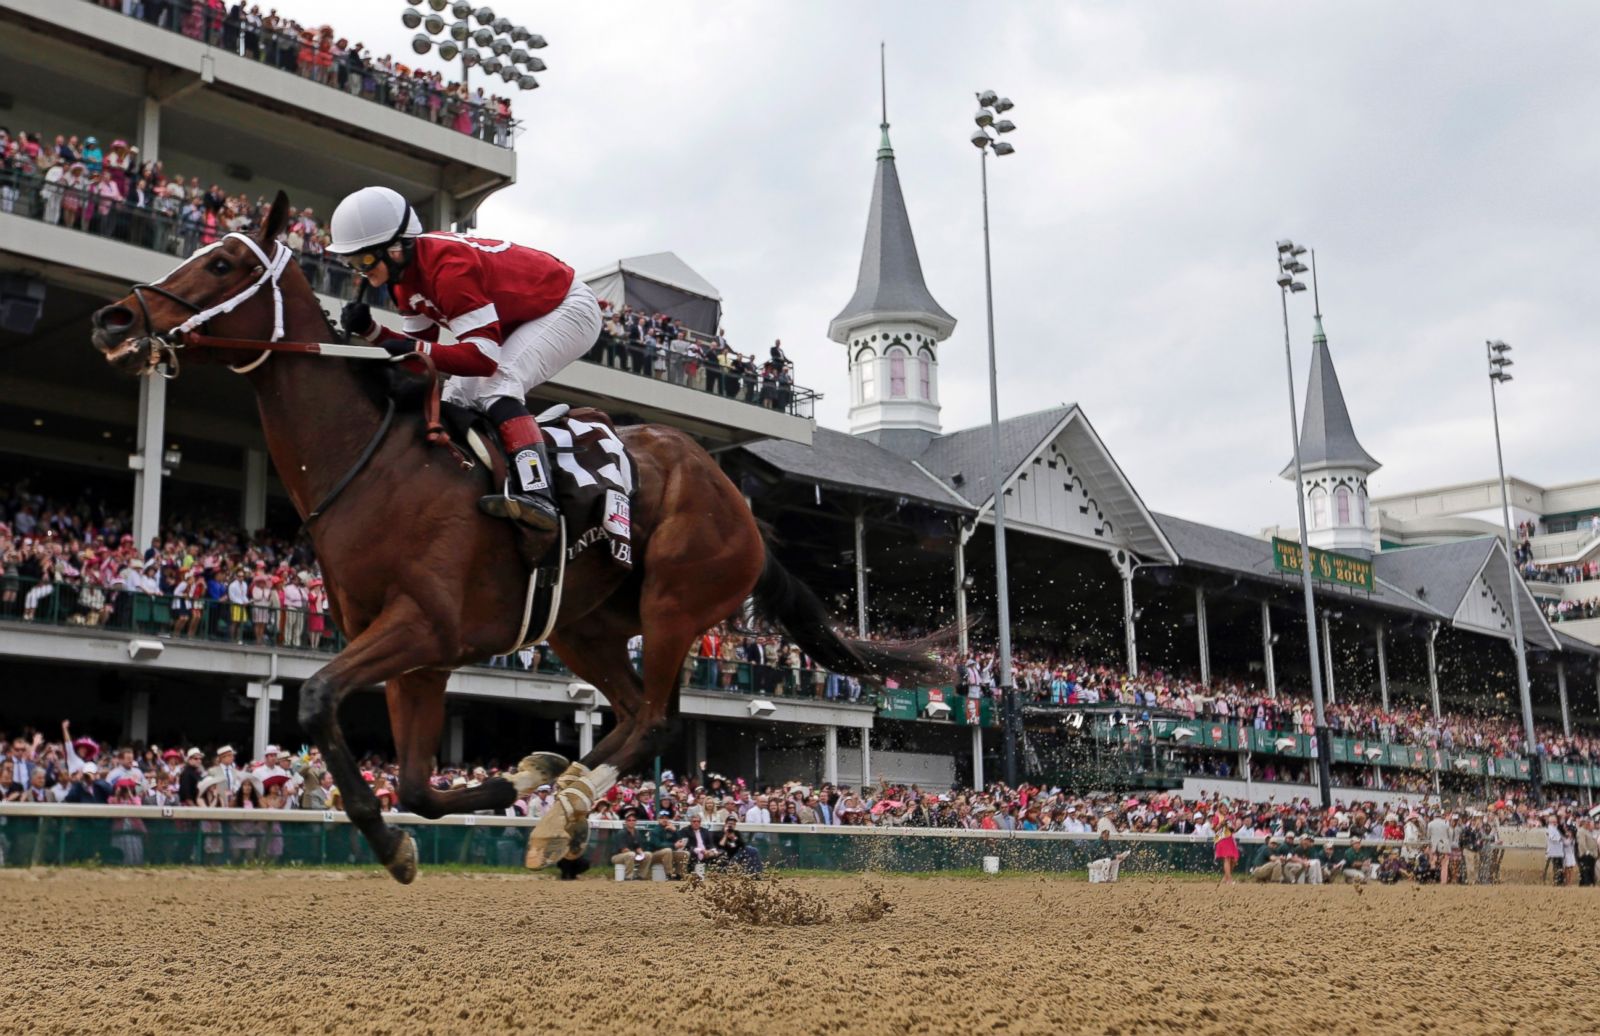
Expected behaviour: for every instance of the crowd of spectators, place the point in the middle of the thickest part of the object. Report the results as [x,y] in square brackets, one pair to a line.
[112,191]
[321,55]
[1572,611]
[76,561]
[1425,843]
[657,346]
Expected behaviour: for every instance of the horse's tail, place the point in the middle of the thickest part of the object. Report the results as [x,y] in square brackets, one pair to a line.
[780,597]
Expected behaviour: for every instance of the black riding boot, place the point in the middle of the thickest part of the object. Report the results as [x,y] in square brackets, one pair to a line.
[529,495]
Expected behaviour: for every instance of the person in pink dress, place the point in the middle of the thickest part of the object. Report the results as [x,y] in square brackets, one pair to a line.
[1227,850]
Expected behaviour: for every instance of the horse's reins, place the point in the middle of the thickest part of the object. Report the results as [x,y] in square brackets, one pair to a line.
[191,334]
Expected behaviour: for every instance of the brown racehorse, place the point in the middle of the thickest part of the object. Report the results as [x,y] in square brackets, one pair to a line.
[423,583]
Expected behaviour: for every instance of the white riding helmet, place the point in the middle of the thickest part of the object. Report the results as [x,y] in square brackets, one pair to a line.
[371,218]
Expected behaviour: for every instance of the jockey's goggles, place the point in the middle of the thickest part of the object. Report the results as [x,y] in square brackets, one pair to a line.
[361,262]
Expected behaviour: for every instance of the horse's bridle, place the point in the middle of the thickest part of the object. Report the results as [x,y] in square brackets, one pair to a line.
[168,342]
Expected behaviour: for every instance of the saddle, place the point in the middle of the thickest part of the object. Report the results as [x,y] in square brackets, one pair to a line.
[593,472]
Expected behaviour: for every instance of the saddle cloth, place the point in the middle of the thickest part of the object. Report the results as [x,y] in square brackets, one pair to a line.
[594,475]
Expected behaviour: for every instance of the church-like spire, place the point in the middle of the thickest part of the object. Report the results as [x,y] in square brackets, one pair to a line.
[889,284]
[1327,438]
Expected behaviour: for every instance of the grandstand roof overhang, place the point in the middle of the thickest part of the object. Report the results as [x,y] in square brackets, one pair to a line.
[1060,480]
[1079,493]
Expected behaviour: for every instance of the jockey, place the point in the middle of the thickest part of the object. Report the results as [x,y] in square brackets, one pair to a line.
[517,315]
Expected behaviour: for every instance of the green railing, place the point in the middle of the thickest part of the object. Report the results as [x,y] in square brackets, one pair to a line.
[56,835]
[1227,736]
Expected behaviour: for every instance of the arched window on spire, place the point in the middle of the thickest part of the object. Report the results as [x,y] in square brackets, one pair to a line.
[1319,507]
[866,374]
[1361,498]
[897,373]
[1341,504]
[924,375]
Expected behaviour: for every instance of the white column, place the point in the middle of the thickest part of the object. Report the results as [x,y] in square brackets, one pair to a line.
[977,755]
[139,717]
[866,756]
[1433,670]
[1202,633]
[147,135]
[146,463]
[1383,669]
[830,755]
[1327,659]
[455,739]
[264,694]
[253,502]
[586,722]
[1561,688]
[1268,667]
[861,575]
[1129,626]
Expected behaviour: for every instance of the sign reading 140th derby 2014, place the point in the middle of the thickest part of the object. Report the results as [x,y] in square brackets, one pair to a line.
[1341,569]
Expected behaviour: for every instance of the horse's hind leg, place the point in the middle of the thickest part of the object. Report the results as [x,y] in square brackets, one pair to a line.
[389,645]
[416,717]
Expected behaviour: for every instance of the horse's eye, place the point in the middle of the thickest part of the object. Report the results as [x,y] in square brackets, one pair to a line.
[219,266]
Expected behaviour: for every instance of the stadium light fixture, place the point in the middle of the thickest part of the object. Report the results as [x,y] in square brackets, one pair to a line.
[1288,259]
[1495,351]
[499,47]
[988,110]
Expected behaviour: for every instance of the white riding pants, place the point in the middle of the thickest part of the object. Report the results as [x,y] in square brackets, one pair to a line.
[533,353]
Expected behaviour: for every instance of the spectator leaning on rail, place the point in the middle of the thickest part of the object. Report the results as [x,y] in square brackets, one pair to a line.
[518,315]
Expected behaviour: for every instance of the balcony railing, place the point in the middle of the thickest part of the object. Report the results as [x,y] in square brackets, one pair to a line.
[314,57]
[168,227]
[268,625]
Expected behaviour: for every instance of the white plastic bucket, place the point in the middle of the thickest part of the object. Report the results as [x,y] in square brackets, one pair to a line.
[699,870]
[658,872]
[991,865]
[622,872]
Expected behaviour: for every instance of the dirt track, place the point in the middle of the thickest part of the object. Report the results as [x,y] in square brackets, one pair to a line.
[282,954]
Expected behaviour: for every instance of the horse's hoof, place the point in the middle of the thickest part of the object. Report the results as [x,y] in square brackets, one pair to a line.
[403,863]
[538,768]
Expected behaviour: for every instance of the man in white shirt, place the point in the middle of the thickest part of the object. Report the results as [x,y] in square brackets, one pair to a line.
[269,767]
[238,599]
[758,812]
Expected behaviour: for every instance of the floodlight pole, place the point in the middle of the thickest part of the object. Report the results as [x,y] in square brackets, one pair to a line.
[1497,374]
[1324,748]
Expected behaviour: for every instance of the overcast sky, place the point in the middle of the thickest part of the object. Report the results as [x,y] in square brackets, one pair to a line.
[1441,157]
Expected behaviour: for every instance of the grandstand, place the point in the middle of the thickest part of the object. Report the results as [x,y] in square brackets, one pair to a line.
[891,519]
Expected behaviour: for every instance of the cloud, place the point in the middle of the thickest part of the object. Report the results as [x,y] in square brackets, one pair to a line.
[1435,154]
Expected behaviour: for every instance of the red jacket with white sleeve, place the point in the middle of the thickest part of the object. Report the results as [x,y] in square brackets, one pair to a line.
[480,290]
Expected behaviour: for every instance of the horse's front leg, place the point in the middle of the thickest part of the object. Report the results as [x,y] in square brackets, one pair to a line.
[416,717]
[390,646]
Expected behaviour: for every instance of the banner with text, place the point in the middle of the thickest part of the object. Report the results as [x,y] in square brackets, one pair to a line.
[1341,569]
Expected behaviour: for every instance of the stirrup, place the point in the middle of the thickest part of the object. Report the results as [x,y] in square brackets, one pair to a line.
[534,511]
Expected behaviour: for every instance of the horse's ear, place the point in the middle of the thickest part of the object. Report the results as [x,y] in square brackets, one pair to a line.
[277,219]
